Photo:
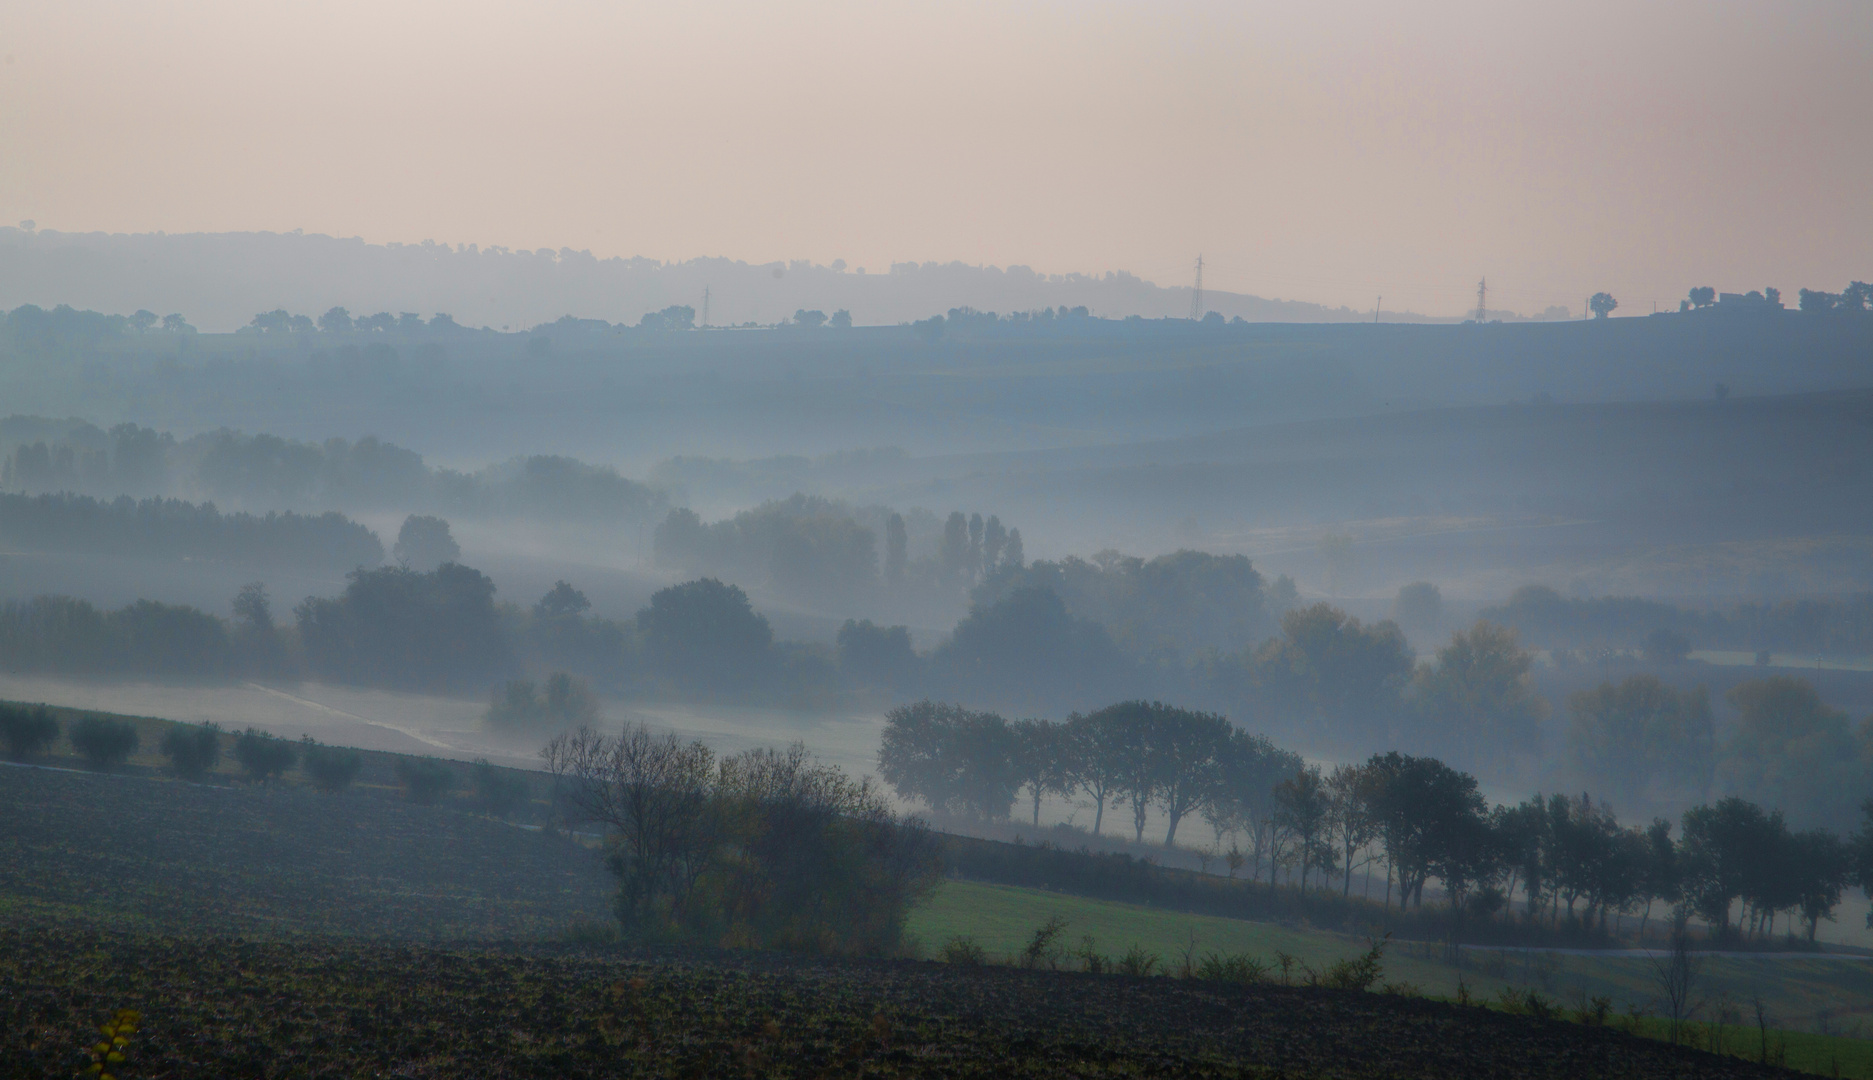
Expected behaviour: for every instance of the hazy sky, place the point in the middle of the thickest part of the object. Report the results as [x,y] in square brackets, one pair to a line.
[1326,152]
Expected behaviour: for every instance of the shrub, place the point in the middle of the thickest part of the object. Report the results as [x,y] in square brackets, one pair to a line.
[498,793]
[27,730]
[1594,1011]
[963,951]
[1138,962]
[1095,962]
[330,768]
[193,750]
[1041,948]
[1527,1003]
[425,780]
[262,756]
[568,702]
[1241,968]
[1358,973]
[104,742]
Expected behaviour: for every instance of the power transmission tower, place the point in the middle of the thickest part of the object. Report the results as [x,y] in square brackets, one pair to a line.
[705,305]
[1482,293]
[1196,294]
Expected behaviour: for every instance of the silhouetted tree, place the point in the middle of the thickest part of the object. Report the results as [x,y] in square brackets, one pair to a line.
[424,543]
[951,759]
[561,601]
[1602,305]
[425,780]
[27,730]
[332,769]
[874,655]
[1423,807]
[104,742]
[707,637]
[1302,809]
[1721,847]
[1025,650]
[1041,760]
[396,627]
[262,756]
[193,750]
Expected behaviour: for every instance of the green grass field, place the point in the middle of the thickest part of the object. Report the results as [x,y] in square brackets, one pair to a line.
[1800,995]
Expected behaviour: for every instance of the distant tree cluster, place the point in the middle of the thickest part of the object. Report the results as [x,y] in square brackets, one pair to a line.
[373,473]
[766,848]
[170,528]
[1855,299]
[822,551]
[565,701]
[62,635]
[1598,624]
[397,627]
[46,457]
[1162,610]
[33,327]
[339,321]
[1336,681]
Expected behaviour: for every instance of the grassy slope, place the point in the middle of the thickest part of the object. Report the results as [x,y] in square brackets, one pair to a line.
[1002,919]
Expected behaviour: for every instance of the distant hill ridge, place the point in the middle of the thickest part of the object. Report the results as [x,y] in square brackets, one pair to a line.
[220,280]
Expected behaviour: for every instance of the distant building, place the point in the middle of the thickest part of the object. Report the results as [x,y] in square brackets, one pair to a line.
[1751,300]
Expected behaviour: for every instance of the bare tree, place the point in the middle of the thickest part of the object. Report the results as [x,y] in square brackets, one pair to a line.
[653,795]
[1675,973]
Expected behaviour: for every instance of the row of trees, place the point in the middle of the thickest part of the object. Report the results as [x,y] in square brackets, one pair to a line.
[766,848]
[1164,610]
[59,634]
[822,551]
[340,321]
[195,751]
[1417,816]
[170,528]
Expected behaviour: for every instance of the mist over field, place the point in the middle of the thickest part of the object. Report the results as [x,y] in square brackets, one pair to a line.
[1166,491]
[1068,488]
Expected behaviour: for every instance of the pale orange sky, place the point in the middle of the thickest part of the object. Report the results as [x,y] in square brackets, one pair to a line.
[1325,152]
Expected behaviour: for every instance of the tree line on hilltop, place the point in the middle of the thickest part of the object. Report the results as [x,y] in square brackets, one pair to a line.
[44,456]
[1558,860]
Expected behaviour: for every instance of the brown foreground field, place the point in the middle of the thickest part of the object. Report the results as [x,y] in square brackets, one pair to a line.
[232,1008]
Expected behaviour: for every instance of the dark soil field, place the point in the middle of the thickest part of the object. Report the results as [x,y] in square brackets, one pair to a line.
[230,1008]
[161,855]
[282,933]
